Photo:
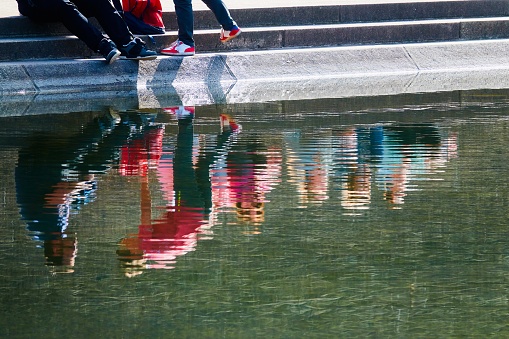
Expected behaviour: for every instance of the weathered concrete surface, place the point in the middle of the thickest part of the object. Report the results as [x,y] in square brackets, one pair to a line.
[29,88]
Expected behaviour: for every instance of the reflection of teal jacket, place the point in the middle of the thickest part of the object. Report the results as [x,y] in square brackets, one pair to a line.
[408,146]
[51,159]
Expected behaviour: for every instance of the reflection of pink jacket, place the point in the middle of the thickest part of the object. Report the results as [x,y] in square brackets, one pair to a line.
[243,183]
[235,183]
[172,235]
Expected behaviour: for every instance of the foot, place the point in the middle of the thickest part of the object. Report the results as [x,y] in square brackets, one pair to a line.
[228,124]
[109,51]
[178,48]
[228,35]
[136,50]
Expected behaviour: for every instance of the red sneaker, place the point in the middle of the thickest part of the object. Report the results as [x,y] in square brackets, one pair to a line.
[228,124]
[228,35]
[181,112]
[178,48]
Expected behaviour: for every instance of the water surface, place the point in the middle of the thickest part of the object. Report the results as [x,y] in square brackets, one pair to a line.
[367,217]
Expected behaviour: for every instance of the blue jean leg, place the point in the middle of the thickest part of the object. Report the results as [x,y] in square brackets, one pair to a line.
[221,12]
[185,21]
[185,18]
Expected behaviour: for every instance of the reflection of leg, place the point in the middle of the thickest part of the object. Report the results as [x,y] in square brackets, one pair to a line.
[186,186]
[130,255]
[146,202]
[206,160]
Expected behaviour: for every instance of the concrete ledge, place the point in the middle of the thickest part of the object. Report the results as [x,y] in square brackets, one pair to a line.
[254,76]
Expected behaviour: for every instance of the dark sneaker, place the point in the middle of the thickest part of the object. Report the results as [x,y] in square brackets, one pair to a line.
[109,51]
[136,50]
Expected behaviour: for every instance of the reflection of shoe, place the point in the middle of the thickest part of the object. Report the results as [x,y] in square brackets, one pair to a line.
[114,116]
[181,112]
[136,50]
[228,35]
[108,50]
[228,124]
[178,48]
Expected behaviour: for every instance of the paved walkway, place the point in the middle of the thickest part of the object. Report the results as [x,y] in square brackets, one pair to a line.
[9,7]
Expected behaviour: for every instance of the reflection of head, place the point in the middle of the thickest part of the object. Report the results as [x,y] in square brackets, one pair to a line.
[357,189]
[355,200]
[61,254]
[395,197]
[131,259]
[250,211]
[134,267]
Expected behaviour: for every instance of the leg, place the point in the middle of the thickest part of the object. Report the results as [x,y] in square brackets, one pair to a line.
[109,19]
[221,12]
[67,13]
[185,21]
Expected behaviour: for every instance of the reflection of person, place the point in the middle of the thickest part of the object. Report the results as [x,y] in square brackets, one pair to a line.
[391,156]
[366,149]
[56,175]
[243,176]
[350,157]
[73,14]
[184,45]
[402,158]
[185,184]
[308,166]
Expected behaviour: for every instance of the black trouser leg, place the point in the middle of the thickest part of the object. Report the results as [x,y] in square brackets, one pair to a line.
[109,19]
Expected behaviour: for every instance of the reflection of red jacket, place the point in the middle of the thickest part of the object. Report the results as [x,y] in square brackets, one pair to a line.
[139,154]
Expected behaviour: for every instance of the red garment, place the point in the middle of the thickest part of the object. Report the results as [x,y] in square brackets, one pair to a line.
[149,11]
[139,154]
[174,234]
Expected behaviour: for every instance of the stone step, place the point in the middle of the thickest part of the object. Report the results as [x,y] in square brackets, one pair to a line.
[277,37]
[18,26]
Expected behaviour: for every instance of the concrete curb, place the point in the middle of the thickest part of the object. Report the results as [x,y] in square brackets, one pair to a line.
[254,76]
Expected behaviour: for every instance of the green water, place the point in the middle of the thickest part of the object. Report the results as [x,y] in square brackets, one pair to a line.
[370,217]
